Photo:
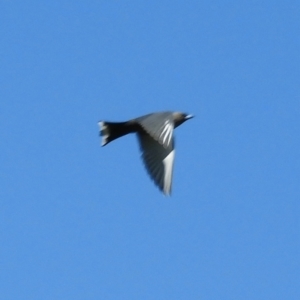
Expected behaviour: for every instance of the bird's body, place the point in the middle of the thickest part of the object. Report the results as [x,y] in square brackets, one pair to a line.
[155,135]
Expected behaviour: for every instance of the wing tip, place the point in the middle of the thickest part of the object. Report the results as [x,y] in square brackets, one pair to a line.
[167,193]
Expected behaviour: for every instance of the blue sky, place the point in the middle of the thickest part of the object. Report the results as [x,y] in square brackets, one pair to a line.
[78,221]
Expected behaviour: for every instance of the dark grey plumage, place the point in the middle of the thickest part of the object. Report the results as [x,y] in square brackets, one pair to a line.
[155,135]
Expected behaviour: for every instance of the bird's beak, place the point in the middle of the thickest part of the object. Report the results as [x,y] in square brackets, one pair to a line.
[189,117]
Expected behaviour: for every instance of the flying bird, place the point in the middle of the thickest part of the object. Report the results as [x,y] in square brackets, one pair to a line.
[156,139]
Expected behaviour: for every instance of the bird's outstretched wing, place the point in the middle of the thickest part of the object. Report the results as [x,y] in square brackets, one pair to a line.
[158,160]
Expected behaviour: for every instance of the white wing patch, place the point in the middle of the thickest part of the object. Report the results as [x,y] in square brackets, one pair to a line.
[168,165]
[166,134]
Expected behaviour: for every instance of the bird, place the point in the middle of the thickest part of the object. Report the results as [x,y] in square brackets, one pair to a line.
[156,141]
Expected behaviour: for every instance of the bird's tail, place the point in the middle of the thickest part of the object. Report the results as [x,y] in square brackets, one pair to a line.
[112,130]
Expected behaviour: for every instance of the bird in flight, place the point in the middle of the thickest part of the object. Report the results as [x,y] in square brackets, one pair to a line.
[155,135]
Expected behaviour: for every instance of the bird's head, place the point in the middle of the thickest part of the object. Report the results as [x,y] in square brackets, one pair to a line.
[180,118]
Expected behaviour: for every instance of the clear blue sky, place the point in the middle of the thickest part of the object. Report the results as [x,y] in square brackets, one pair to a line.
[78,221]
